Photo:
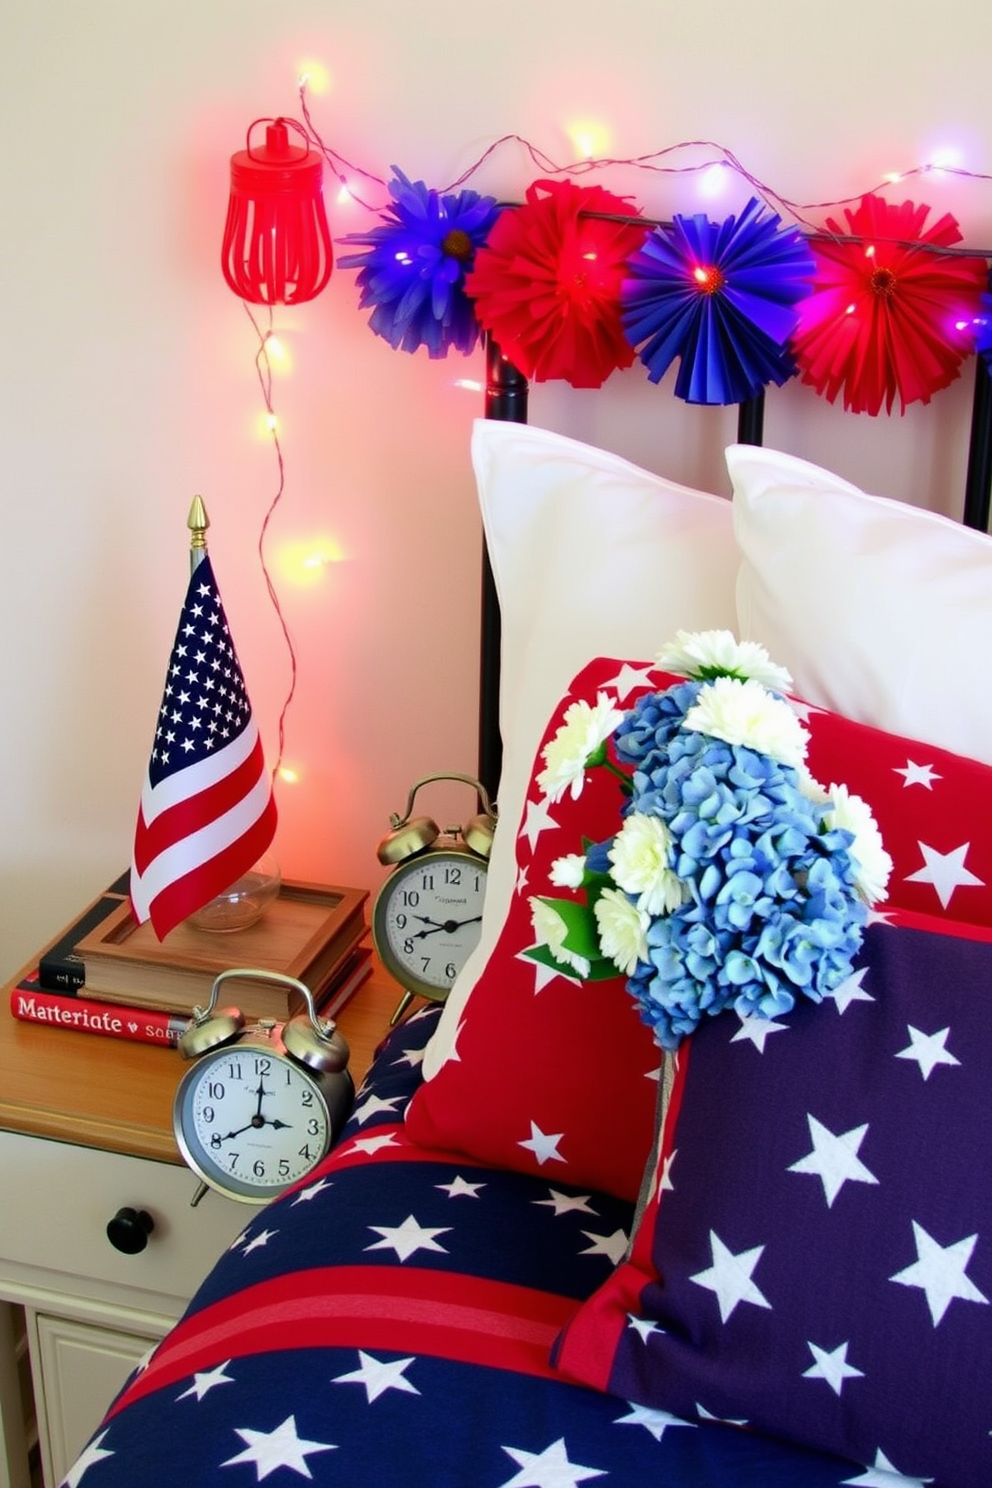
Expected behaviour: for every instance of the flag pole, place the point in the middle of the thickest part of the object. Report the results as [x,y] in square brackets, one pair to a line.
[197,522]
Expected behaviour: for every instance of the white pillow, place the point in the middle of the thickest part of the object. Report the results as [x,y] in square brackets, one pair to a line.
[591,556]
[880,610]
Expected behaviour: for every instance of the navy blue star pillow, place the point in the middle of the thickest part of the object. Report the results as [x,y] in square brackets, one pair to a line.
[815,1261]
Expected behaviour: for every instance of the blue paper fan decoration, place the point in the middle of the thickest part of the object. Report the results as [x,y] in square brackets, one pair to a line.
[413,274]
[720,296]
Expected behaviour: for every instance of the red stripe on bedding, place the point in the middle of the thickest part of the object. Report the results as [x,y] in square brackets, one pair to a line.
[463,1318]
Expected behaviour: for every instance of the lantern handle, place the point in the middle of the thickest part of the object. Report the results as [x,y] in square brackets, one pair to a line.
[277,123]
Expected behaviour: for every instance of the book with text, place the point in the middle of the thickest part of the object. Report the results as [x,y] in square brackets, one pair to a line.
[32,1003]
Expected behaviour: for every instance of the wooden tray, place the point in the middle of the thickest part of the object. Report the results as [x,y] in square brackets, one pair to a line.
[305,933]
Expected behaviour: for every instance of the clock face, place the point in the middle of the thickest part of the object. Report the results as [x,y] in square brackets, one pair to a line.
[250,1122]
[428,917]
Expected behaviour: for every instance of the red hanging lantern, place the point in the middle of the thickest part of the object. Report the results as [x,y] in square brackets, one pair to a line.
[277,246]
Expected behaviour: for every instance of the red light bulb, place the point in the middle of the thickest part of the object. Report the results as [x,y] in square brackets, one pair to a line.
[277,246]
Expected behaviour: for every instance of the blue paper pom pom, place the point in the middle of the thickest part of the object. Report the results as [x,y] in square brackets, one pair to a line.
[413,272]
[720,296]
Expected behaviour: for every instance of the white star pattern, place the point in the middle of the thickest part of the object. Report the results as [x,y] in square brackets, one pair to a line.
[543,1145]
[408,1237]
[939,1272]
[831,1365]
[412,1057]
[537,819]
[851,990]
[883,1475]
[378,1376]
[946,871]
[665,1176]
[269,1450]
[914,774]
[93,1454]
[523,879]
[834,1158]
[205,1382]
[374,1144]
[262,1238]
[705,1415]
[629,677]
[374,1105]
[643,1327]
[453,1056]
[460,1188]
[544,975]
[927,1049]
[729,1277]
[567,1203]
[548,1469]
[655,1421]
[755,1029]
[614,1246]
[306,1194]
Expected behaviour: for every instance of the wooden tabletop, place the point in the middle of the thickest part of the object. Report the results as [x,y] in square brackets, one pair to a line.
[117,1095]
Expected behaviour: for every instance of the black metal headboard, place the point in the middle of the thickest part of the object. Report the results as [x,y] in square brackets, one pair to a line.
[506,399]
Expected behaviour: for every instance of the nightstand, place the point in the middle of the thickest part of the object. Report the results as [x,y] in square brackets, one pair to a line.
[85,1131]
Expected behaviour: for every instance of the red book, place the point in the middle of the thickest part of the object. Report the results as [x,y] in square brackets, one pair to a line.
[32,1004]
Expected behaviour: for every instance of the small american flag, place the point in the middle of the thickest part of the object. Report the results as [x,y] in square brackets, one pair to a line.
[206,811]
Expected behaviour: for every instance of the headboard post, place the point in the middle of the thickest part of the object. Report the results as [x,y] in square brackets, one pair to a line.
[978,481]
[506,398]
[751,419]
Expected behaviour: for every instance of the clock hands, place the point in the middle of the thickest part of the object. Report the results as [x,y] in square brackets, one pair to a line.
[258,1120]
[448,926]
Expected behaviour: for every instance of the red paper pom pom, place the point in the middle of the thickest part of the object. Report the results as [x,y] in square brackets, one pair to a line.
[546,284]
[886,318]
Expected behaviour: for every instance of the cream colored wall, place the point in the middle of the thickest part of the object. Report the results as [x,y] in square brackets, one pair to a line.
[129,385]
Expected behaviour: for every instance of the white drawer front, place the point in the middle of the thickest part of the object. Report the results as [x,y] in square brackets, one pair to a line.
[58,1199]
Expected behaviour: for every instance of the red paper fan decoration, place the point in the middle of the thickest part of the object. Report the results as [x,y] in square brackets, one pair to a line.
[888,318]
[546,283]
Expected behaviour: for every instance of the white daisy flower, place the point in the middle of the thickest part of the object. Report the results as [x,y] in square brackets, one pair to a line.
[623,930]
[746,713]
[852,814]
[585,727]
[641,856]
[568,872]
[713,653]
[550,930]
[811,788]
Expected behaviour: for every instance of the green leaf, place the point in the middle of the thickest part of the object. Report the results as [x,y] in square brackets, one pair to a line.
[581,936]
[600,970]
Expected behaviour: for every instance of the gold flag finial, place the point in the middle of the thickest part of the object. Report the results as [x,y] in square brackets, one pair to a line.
[197,522]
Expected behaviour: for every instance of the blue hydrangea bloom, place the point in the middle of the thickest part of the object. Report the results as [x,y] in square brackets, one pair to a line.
[413,272]
[774,911]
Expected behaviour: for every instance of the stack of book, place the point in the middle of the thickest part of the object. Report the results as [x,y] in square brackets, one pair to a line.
[109,975]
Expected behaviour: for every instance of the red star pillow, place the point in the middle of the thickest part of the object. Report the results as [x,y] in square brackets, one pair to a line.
[550,1074]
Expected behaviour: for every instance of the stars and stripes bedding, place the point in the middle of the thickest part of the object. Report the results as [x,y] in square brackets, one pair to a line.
[390,1323]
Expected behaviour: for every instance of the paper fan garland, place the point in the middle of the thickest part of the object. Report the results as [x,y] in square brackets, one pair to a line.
[886,319]
[413,274]
[546,284]
[721,297]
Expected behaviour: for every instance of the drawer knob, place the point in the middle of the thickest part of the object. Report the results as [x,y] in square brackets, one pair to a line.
[129,1230]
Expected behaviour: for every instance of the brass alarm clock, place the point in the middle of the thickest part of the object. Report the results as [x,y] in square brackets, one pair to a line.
[427,915]
[261,1104]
